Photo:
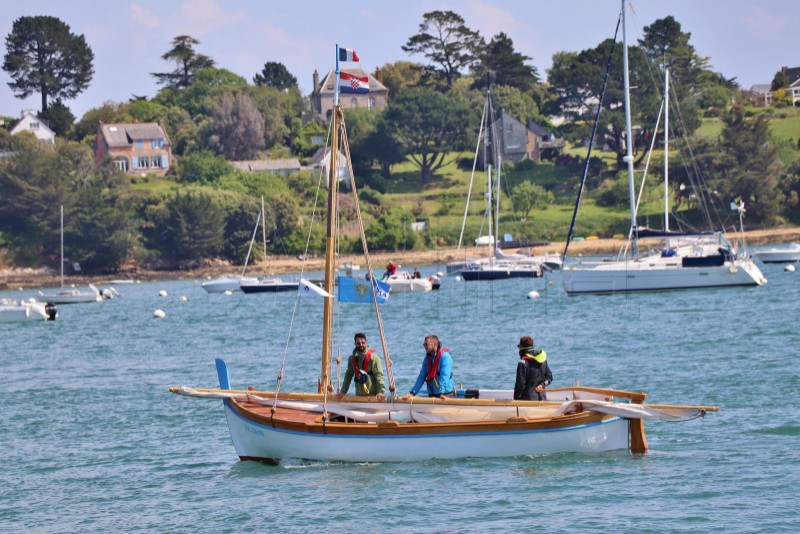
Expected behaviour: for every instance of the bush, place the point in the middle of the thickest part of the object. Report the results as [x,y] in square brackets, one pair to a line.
[375,181]
[525,165]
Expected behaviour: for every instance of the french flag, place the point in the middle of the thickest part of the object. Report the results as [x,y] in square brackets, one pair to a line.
[349,83]
[347,54]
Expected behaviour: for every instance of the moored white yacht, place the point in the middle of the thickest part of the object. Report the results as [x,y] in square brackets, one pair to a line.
[685,262]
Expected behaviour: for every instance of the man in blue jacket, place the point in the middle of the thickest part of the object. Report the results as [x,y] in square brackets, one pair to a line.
[436,371]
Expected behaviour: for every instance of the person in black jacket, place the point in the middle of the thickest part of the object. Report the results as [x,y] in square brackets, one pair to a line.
[533,373]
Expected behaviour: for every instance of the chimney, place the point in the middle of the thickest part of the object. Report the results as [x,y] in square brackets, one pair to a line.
[316,102]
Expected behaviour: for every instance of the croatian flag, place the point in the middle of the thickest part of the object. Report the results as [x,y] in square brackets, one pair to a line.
[346,54]
[348,83]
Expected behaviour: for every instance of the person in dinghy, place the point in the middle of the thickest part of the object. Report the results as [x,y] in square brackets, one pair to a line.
[436,372]
[363,368]
[533,373]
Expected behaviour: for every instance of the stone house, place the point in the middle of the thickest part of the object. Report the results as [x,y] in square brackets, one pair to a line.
[519,141]
[136,148]
[323,91]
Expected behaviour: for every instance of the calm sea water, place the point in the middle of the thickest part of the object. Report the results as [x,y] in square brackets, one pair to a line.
[92,441]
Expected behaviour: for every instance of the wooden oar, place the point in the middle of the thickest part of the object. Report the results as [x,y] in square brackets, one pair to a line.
[433,400]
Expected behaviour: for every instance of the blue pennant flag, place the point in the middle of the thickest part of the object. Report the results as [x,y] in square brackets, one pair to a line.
[357,290]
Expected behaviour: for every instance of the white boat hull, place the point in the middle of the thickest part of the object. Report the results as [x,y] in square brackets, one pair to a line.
[788,254]
[13,312]
[402,282]
[225,283]
[254,441]
[72,297]
[631,276]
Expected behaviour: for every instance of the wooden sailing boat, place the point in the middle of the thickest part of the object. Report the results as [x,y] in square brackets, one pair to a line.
[689,262]
[270,426]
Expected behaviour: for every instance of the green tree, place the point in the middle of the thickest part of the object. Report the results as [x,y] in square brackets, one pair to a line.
[389,232]
[428,125]
[285,213]
[35,181]
[44,57]
[195,98]
[399,75]
[504,66]
[577,79]
[445,41]
[237,130]
[104,234]
[275,74]
[59,118]
[187,63]
[789,183]
[747,166]
[665,43]
[239,224]
[527,196]
[108,113]
[384,148]
[194,227]
[779,81]
[203,167]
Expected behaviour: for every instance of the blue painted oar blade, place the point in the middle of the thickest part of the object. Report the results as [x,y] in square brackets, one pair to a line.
[223,374]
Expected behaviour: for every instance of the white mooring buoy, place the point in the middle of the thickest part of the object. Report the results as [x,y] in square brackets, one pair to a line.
[533,294]
[162,293]
[789,268]
[159,314]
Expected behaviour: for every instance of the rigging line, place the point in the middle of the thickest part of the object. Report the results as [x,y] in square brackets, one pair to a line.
[384,346]
[591,141]
[302,271]
[252,240]
[649,156]
[472,176]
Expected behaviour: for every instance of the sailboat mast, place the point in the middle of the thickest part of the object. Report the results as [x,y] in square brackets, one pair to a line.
[62,245]
[264,233]
[628,134]
[330,250]
[666,149]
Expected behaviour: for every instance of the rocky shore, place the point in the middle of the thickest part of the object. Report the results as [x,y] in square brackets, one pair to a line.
[11,278]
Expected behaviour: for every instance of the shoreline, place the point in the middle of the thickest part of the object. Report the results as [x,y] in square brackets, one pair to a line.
[39,278]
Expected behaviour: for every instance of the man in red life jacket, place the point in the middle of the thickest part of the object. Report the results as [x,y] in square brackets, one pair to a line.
[363,368]
[391,269]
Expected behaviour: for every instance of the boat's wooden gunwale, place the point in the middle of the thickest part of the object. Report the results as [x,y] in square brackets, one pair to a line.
[301,421]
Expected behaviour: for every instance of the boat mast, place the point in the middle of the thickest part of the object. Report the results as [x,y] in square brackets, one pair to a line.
[490,148]
[62,246]
[330,238]
[666,149]
[264,233]
[628,135]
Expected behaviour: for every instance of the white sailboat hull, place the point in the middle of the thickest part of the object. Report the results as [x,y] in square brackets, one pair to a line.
[255,441]
[787,254]
[74,296]
[651,274]
[225,283]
